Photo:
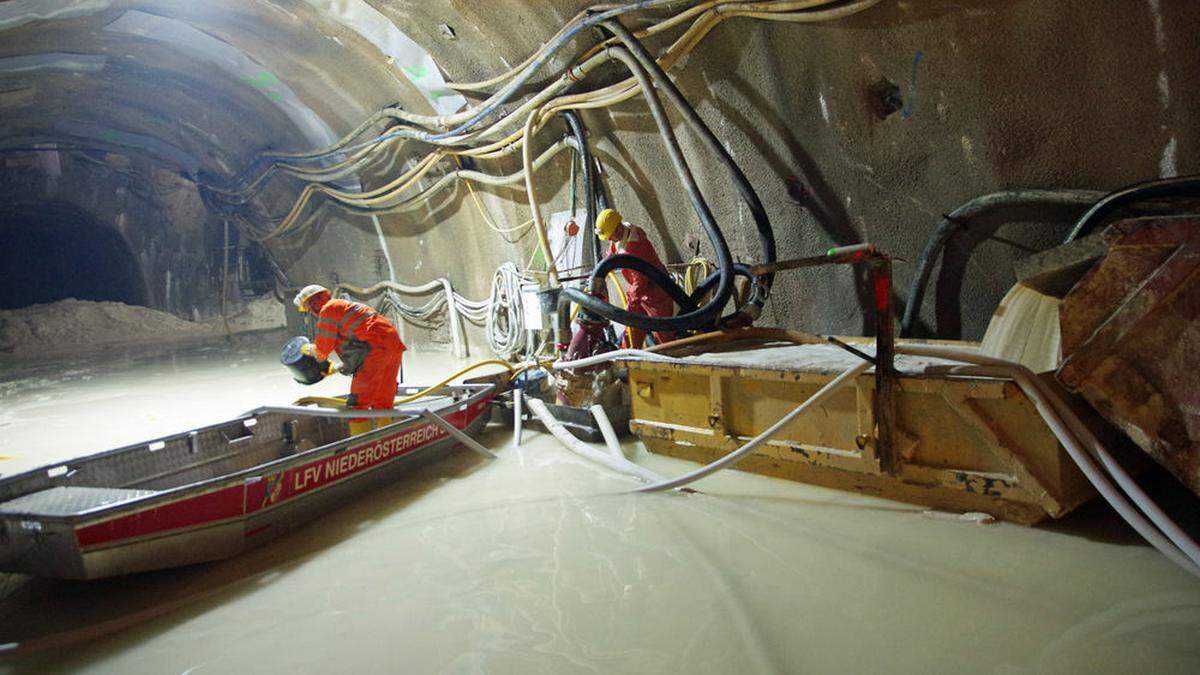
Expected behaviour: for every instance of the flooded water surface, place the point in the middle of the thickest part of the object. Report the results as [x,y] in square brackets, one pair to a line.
[540,562]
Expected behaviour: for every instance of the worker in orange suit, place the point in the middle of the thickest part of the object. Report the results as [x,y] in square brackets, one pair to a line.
[643,295]
[367,344]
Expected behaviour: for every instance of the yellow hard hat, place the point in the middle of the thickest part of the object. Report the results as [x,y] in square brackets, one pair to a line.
[306,294]
[607,222]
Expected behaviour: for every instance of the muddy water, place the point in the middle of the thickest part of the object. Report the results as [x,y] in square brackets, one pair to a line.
[539,562]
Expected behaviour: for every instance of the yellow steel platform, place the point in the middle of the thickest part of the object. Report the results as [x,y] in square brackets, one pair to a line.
[960,443]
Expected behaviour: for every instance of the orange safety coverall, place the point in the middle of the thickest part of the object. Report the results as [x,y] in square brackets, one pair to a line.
[643,295]
[374,383]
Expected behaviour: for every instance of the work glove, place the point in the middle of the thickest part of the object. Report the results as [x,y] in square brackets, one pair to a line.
[308,349]
[330,369]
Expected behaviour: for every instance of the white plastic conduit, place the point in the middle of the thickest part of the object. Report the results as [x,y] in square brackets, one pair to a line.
[456,329]
[518,416]
[739,454]
[1175,545]
[606,430]
[622,465]
[612,356]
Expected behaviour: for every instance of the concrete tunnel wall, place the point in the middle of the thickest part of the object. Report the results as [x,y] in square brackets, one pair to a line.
[1030,93]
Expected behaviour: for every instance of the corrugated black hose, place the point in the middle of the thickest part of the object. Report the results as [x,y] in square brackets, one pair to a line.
[702,316]
[766,236]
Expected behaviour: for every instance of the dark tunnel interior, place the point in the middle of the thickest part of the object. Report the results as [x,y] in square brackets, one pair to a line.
[53,251]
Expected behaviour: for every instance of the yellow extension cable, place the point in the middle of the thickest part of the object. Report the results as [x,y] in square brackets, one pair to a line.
[341,403]
[707,15]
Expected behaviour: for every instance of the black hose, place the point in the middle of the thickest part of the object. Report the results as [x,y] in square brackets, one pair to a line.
[1112,202]
[739,269]
[1013,205]
[647,269]
[702,316]
[766,236]
[602,200]
[588,171]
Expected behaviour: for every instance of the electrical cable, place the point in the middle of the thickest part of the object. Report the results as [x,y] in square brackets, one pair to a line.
[682,46]
[708,313]
[588,175]
[1182,186]
[1010,205]
[505,317]
[745,190]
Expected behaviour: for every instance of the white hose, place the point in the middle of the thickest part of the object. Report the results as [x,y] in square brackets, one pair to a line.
[612,356]
[607,431]
[456,329]
[739,454]
[500,313]
[1176,545]
[1160,530]
[622,465]
[518,414]
[427,310]
[506,337]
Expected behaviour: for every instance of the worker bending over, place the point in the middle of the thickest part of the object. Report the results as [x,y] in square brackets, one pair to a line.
[365,341]
[643,295]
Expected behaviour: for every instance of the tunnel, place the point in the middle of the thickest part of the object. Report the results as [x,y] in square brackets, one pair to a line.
[54,252]
[812,335]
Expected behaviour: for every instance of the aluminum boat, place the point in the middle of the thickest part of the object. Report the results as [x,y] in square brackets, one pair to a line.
[213,492]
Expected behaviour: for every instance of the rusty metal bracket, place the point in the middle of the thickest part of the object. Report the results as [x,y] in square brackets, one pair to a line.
[880,266]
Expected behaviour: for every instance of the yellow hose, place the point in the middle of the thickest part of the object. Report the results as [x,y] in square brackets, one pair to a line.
[487,219]
[341,402]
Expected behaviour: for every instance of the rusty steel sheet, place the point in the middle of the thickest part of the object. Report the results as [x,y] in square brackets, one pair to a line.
[1130,336]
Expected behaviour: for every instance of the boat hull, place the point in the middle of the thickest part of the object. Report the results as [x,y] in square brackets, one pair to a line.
[223,517]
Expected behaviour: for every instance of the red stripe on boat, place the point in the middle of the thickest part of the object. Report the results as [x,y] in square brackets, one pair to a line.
[238,500]
[205,508]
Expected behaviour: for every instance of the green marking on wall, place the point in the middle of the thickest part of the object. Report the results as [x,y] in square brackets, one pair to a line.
[415,71]
[266,82]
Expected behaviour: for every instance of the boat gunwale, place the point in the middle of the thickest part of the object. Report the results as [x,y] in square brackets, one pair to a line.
[216,483]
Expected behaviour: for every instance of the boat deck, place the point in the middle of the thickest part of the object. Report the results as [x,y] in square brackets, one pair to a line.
[66,501]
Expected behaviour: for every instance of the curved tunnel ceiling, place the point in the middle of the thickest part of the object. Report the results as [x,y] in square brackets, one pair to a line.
[203,85]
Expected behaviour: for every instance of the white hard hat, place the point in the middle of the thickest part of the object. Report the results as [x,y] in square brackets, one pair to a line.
[307,294]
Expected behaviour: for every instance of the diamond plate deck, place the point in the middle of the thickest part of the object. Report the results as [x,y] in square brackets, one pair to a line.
[66,501]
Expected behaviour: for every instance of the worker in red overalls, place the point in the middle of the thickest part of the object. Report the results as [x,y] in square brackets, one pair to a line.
[366,342]
[644,297]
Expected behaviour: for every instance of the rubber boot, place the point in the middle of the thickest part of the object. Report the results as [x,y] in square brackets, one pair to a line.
[381,422]
[359,426]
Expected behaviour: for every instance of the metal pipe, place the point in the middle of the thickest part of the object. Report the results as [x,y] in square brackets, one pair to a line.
[456,434]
